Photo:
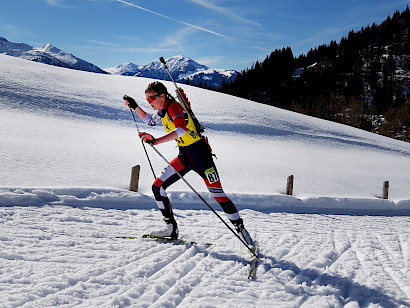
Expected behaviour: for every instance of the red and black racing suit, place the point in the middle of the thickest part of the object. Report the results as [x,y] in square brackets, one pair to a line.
[194,154]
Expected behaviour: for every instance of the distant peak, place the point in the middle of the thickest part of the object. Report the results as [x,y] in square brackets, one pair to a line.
[51,48]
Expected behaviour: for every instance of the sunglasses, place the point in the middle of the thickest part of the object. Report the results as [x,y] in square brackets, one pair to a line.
[152,98]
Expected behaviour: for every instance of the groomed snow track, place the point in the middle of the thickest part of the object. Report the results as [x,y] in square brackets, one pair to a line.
[68,256]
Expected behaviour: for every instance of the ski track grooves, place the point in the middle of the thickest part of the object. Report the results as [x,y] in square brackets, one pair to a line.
[346,249]
[95,273]
[366,259]
[184,283]
[350,264]
[176,269]
[388,255]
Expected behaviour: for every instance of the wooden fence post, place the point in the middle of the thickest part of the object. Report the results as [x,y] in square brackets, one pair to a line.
[289,185]
[386,190]
[135,175]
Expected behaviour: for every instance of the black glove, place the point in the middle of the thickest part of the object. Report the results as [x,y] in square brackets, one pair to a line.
[131,102]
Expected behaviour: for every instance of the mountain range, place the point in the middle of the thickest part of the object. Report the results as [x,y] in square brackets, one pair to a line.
[48,54]
[182,69]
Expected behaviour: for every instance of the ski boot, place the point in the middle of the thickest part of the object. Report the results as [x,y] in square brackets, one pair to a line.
[170,231]
[244,235]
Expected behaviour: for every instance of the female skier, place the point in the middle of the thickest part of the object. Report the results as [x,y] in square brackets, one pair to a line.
[194,154]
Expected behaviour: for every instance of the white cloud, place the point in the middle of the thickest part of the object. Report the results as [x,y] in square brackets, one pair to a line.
[58,3]
[176,20]
[101,43]
[178,39]
[212,6]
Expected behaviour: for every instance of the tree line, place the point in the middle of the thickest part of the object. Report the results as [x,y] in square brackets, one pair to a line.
[362,81]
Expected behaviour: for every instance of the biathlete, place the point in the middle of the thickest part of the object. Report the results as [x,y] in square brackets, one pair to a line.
[194,154]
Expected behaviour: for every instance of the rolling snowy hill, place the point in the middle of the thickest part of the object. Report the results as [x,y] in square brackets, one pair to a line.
[67,145]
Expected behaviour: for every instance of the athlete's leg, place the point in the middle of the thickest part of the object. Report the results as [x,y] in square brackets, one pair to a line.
[213,182]
[166,179]
[214,185]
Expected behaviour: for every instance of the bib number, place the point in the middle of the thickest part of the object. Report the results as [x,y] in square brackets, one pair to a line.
[211,175]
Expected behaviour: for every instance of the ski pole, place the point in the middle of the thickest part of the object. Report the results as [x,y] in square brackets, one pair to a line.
[172,79]
[206,203]
[143,145]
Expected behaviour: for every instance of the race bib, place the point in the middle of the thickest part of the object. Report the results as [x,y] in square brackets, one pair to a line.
[211,175]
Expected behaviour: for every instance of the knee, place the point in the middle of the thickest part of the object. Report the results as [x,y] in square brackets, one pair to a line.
[156,190]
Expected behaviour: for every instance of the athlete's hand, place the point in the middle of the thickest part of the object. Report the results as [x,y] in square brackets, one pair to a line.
[148,138]
[130,102]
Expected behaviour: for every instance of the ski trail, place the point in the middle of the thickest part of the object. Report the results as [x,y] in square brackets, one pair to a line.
[339,255]
[372,255]
[190,277]
[146,276]
[179,276]
[399,279]
[362,261]
[84,276]
[405,249]
[204,284]
[393,258]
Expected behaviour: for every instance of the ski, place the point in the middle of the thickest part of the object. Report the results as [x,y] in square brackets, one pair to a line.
[253,264]
[164,239]
[127,237]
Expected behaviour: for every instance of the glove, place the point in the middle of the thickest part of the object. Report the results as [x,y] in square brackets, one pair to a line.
[130,102]
[148,138]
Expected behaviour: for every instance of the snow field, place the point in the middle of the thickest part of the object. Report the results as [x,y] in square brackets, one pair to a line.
[69,256]
[76,123]
[67,145]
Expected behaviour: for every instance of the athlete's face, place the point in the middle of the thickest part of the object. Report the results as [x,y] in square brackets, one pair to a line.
[156,101]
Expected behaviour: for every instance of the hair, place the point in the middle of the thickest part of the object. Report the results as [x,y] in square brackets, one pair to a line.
[159,88]
[156,87]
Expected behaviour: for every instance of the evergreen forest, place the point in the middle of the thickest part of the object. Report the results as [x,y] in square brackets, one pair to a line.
[361,81]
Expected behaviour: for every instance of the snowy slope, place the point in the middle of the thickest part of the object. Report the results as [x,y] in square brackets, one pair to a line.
[47,111]
[67,145]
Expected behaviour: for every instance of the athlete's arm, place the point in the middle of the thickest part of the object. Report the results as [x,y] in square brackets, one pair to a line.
[176,113]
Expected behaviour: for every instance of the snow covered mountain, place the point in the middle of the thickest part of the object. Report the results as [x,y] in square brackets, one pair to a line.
[126,69]
[47,54]
[182,69]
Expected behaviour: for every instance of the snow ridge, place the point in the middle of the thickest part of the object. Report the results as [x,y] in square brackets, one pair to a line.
[48,54]
[182,69]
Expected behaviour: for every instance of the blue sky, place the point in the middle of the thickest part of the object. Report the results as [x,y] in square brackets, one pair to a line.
[230,34]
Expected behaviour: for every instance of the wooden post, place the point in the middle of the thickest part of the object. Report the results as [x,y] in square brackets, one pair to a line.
[289,185]
[386,190]
[135,175]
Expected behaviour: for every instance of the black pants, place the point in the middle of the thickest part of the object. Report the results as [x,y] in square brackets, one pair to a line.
[196,157]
